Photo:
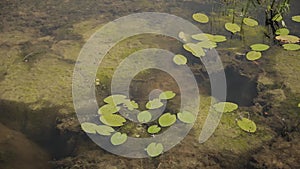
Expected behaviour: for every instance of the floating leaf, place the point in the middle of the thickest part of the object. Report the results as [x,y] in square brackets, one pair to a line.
[184,37]
[200,17]
[253,55]
[113,120]
[296,18]
[115,99]
[108,109]
[207,44]
[131,104]
[259,47]
[232,27]
[89,127]
[288,38]
[195,49]
[154,149]
[179,59]
[282,31]
[218,38]
[154,104]
[144,117]
[118,138]
[153,129]
[250,22]
[104,130]
[202,36]
[298,104]
[291,46]
[247,125]
[167,95]
[186,117]
[167,119]
[277,18]
[225,107]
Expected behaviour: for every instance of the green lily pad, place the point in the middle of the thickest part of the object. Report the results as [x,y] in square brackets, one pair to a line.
[291,46]
[228,107]
[167,95]
[232,27]
[218,38]
[179,59]
[200,17]
[167,119]
[253,55]
[131,104]
[288,38]
[144,117]
[296,18]
[89,127]
[154,149]
[115,99]
[104,130]
[113,120]
[186,117]
[108,109]
[153,129]
[202,36]
[250,22]
[118,138]
[207,44]
[195,49]
[277,17]
[154,104]
[259,47]
[282,31]
[247,125]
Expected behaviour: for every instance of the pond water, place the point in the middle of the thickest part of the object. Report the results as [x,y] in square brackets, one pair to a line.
[39,45]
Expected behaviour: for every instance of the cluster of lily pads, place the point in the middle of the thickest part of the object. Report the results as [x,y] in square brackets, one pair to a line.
[111,119]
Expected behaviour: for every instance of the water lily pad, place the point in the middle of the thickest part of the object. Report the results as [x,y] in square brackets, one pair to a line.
[115,99]
[228,107]
[167,95]
[104,130]
[154,149]
[282,31]
[277,17]
[179,59]
[131,104]
[253,55]
[195,49]
[144,117]
[118,138]
[108,109]
[186,117]
[291,46]
[202,36]
[217,38]
[250,22]
[154,104]
[232,27]
[296,18]
[288,38]
[113,120]
[207,44]
[153,129]
[89,127]
[247,125]
[184,37]
[259,47]
[200,17]
[167,119]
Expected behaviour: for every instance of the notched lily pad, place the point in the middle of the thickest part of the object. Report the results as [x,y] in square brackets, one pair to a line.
[131,104]
[113,120]
[253,55]
[108,109]
[89,127]
[282,31]
[104,130]
[186,117]
[115,99]
[118,138]
[167,95]
[179,59]
[291,46]
[246,125]
[250,22]
[232,27]
[154,149]
[200,17]
[153,129]
[167,119]
[259,47]
[154,104]
[144,117]
[225,107]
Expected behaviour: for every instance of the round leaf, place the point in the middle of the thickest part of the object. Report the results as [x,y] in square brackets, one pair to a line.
[154,149]
[118,138]
[144,117]
[179,60]
[232,27]
[108,109]
[253,55]
[113,120]
[259,47]
[115,99]
[296,18]
[291,46]
[167,119]
[201,36]
[89,127]
[282,31]
[104,130]
[200,17]
[186,117]
[167,95]
[218,38]
[207,44]
[154,104]
[250,22]
[153,129]
[247,125]
[225,107]
[288,38]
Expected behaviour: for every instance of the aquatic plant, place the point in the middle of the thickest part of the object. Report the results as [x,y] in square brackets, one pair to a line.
[92,128]
[296,18]
[232,27]
[144,117]
[287,38]
[118,138]
[179,59]
[259,47]
[108,109]
[154,149]
[282,31]
[291,46]
[200,17]
[250,22]
[195,49]
[115,99]
[246,125]
[89,127]
[105,130]
[253,55]
[153,129]
[154,104]
[130,104]
[166,95]
[167,119]
[225,107]
[113,120]
[186,117]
